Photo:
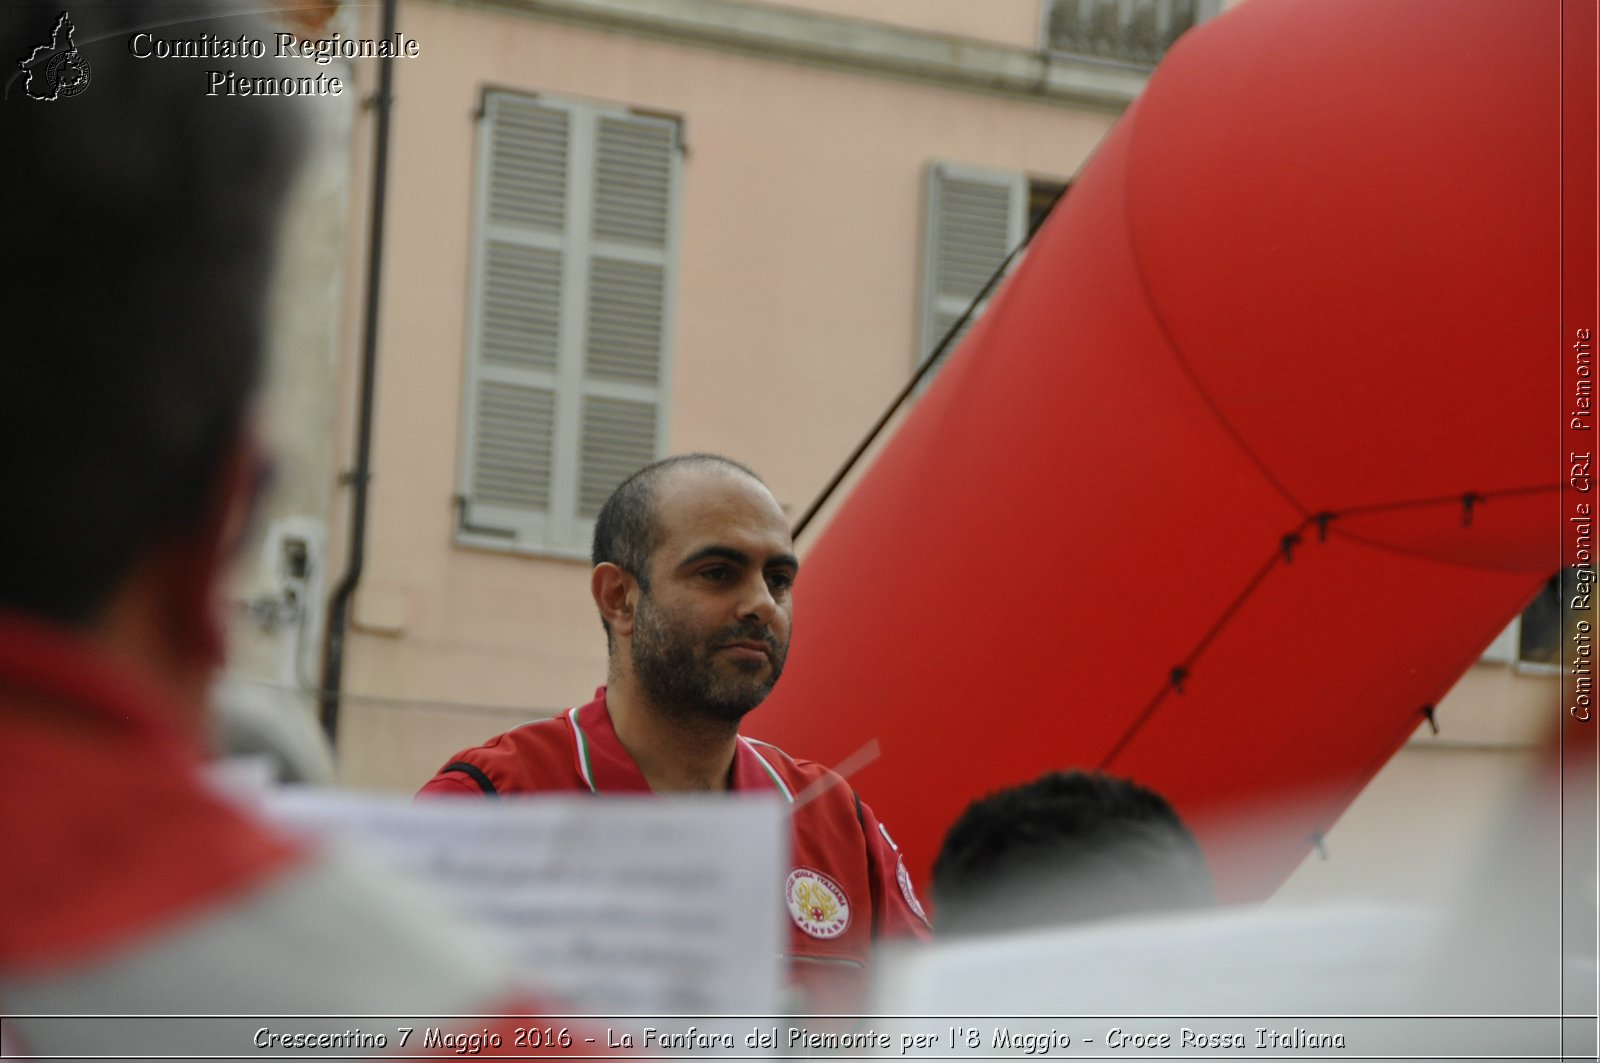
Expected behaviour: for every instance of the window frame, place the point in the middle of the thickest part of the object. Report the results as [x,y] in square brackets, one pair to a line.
[1506,647]
[560,531]
[1205,10]
[931,302]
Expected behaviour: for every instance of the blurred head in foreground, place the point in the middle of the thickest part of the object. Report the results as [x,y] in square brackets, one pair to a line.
[140,218]
[1069,847]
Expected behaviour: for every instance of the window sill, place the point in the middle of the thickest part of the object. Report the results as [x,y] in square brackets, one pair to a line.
[493,544]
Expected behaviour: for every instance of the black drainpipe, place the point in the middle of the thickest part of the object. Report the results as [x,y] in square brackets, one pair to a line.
[339,604]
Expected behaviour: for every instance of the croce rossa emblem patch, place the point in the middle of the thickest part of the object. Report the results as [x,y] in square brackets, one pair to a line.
[816,903]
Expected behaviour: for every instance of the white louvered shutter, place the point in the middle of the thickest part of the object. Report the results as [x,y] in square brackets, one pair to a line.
[620,424]
[974,218]
[571,318]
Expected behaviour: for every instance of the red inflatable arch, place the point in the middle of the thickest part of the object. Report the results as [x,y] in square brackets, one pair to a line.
[1248,460]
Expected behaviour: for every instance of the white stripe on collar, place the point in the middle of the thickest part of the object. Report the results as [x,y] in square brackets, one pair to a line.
[584,767]
[767,767]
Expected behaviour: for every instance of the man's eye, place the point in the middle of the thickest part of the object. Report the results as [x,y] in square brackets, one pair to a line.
[780,581]
[717,573]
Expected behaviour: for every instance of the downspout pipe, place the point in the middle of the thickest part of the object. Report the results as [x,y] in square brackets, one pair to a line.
[359,477]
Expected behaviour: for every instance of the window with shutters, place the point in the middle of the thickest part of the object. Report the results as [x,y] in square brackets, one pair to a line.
[1130,32]
[974,219]
[1533,641]
[569,332]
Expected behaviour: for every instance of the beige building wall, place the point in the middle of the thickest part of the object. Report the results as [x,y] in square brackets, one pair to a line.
[1013,22]
[280,579]
[797,303]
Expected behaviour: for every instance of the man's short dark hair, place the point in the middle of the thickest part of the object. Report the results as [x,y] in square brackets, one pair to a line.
[625,531]
[139,218]
[1068,847]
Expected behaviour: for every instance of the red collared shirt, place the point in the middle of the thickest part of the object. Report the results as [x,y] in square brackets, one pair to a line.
[847,886]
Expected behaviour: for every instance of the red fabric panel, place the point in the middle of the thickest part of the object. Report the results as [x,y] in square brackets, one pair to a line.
[1346,215]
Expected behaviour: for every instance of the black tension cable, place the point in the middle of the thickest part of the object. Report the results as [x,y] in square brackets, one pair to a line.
[922,371]
[1281,554]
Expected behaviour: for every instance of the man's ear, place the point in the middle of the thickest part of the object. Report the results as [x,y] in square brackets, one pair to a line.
[615,593]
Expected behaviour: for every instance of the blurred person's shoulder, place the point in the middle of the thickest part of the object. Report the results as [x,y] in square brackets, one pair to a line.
[133,886]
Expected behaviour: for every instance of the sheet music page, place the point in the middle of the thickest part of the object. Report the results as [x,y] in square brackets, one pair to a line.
[625,905]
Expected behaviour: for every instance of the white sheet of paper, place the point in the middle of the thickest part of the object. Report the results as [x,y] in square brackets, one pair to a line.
[1212,985]
[643,906]
[1224,961]
[244,776]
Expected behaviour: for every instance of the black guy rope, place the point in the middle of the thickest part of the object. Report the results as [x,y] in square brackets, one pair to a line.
[922,371]
[1283,554]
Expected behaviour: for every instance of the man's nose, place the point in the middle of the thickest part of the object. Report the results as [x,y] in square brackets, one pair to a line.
[758,606]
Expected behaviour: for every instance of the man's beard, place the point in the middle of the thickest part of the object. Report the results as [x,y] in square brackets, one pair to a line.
[685,678]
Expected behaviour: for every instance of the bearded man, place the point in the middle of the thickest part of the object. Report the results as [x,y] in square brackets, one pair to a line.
[693,571]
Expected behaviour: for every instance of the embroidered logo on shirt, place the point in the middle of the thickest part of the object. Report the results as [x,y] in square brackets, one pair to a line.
[816,903]
[904,878]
